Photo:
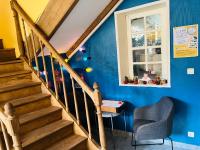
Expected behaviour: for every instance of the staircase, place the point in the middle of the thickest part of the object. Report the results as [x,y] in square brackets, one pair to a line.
[32,115]
[42,125]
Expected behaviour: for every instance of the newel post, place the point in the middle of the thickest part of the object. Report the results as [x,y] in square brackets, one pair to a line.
[18,29]
[98,103]
[13,126]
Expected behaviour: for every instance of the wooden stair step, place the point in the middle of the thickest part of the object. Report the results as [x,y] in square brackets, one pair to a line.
[11,78]
[40,138]
[18,86]
[7,54]
[73,142]
[19,90]
[29,99]
[11,62]
[11,66]
[9,74]
[6,49]
[38,114]
[30,103]
[39,118]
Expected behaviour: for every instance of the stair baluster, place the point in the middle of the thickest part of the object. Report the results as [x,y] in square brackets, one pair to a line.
[44,64]
[34,51]
[75,101]
[13,126]
[98,100]
[5,136]
[54,76]
[64,88]
[26,42]
[87,115]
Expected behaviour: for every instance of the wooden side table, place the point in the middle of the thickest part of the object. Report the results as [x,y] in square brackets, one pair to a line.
[111,109]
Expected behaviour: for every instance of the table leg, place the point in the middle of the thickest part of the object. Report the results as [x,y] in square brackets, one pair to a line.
[124,121]
[112,128]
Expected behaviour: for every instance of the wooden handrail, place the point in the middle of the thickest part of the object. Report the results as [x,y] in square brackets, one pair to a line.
[44,40]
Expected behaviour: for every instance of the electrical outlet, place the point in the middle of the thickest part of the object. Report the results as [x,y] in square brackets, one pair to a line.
[191,134]
[190,71]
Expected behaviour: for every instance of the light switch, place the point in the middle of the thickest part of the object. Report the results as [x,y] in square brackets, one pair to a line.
[190,71]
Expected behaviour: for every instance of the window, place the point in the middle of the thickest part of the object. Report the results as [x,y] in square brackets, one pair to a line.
[143,45]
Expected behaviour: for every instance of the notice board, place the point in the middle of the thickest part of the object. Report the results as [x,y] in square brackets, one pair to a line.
[185,41]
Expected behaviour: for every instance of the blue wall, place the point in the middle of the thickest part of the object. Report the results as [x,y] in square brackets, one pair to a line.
[185,88]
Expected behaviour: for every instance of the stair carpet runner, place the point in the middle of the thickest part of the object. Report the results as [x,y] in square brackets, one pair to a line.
[42,126]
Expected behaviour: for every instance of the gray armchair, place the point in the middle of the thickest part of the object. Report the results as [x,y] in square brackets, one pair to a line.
[153,122]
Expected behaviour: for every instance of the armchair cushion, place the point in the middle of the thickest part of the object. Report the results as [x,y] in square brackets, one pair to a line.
[140,122]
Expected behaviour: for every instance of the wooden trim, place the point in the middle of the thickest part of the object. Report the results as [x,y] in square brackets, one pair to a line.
[63,16]
[93,26]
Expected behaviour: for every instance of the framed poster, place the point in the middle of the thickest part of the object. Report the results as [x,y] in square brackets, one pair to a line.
[186,41]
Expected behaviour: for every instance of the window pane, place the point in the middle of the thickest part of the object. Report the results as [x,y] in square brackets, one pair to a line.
[137,25]
[137,40]
[155,69]
[138,70]
[139,56]
[153,22]
[154,38]
[154,54]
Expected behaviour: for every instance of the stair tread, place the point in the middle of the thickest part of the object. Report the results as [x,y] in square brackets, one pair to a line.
[42,132]
[2,75]
[11,62]
[67,143]
[28,99]
[18,86]
[37,114]
[6,49]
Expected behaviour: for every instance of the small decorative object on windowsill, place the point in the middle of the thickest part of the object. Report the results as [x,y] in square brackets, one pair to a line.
[136,81]
[126,81]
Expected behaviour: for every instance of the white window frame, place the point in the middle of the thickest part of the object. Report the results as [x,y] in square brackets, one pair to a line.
[159,7]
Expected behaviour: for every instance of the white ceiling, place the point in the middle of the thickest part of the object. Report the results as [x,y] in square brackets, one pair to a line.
[83,14]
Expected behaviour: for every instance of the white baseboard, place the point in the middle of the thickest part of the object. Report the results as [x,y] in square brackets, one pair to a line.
[179,145]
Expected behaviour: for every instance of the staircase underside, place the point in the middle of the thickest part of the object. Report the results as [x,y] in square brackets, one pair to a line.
[81,20]
[54,14]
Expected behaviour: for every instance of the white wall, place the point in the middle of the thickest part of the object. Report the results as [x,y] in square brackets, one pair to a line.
[84,13]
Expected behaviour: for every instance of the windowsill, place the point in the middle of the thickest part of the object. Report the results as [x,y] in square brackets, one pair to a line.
[146,85]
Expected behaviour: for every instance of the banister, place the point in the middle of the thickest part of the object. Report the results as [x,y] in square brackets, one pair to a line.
[3,117]
[44,40]
[93,94]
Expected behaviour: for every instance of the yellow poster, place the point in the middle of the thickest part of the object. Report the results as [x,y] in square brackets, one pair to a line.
[186,41]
